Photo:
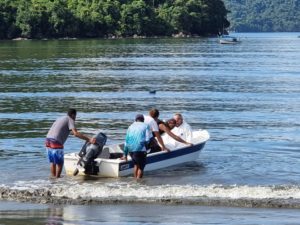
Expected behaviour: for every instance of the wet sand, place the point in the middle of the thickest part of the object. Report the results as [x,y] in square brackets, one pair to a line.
[25,213]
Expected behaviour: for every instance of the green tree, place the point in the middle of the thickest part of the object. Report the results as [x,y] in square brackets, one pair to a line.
[32,19]
[136,18]
[195,16]
[61,20]
[264,15]
[98,18]
[7,20]
[110,16]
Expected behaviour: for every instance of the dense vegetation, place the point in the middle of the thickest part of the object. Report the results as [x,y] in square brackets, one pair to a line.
[107,18]
[264,15]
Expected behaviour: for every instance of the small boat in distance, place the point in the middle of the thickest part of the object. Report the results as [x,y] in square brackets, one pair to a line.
[227,39]
[109,163]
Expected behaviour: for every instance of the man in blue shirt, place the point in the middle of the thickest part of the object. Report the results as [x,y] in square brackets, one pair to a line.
[137,136]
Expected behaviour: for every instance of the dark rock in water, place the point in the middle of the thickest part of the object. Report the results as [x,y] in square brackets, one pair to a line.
[152,91]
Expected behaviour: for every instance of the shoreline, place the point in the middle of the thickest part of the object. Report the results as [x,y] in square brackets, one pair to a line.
[45,196]
[180,35]
[136,37]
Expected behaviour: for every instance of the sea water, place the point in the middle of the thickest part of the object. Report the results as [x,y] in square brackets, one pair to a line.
[246,95]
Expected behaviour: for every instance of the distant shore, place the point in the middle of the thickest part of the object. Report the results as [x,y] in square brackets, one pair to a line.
[179,35]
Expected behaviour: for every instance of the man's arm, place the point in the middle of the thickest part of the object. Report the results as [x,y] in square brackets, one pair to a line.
[177,138]
[76,133]
[125,150]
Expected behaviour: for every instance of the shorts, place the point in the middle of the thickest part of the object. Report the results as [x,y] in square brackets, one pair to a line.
[153,145]
[55,156]
[139,158]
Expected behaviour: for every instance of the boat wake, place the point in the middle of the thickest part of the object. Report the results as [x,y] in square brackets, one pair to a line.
[124,192]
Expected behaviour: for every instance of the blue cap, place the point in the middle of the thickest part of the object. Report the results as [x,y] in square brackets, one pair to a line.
[139,117]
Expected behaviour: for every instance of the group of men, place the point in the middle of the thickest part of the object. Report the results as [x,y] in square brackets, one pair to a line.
[142,137]
[146,134]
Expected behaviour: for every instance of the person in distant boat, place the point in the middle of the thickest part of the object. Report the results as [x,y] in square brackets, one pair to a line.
[137,136]
[56,137]
[151,120]
[166,127]
[182,128]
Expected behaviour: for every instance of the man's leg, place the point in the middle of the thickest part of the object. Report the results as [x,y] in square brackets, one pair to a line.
[135,171]
[59,169]
[59,160]
[140,173]
[53,169]
[142,164]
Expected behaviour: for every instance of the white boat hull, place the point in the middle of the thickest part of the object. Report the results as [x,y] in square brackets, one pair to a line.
[228,40]
[155,161]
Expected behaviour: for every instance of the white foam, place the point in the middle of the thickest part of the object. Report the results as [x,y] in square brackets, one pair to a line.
[177,191]
[31,185]
[124,190]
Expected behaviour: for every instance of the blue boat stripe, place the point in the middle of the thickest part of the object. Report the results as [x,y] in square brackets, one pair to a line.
[161,157]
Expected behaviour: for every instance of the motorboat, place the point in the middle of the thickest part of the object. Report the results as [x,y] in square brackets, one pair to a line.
[226,39]
[110,164]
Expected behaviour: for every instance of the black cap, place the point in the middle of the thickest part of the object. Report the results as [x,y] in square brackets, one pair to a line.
[139,117]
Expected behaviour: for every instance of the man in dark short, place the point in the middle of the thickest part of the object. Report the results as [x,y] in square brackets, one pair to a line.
[57,136]
[139,160]
[137,136]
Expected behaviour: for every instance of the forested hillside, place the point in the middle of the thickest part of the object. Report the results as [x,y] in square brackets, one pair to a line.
[264,15]
[108,18]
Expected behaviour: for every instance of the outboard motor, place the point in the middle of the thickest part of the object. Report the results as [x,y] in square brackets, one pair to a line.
[88,153]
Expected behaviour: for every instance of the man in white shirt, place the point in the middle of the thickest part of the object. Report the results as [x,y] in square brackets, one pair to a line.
[182,128]
[151,120]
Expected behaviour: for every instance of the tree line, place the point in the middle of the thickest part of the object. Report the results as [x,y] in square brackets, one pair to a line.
[264,15]
[108,18]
